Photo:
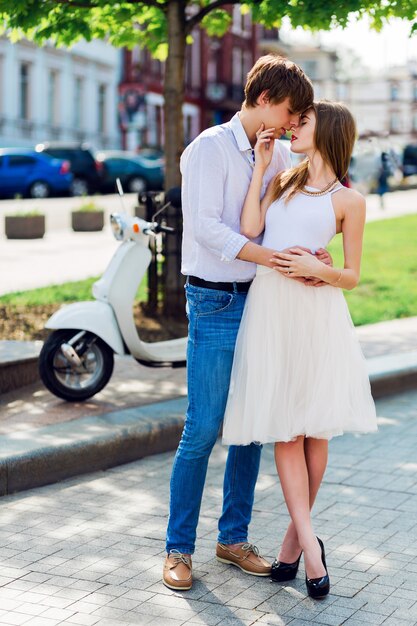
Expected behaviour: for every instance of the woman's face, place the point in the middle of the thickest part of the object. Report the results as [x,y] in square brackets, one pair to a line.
[302,140]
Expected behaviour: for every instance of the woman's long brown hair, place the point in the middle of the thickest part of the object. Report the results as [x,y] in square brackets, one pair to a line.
[334,138]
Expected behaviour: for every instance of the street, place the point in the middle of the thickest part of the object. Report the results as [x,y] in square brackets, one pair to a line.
[64,255]
[89,550]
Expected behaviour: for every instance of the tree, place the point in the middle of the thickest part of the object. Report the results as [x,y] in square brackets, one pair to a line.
[165,26]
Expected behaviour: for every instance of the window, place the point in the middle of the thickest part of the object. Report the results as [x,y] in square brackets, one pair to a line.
[53,98]
[78,102]
[237,67]
[395,122]
[17,160]
[24,91]
[101,109]
[188,126]
[237,19]
[415,92]
[394,92]
[342,91]
[310,68]
[1,85]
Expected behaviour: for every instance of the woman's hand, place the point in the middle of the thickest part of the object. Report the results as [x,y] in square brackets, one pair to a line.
[297,263]
[264,147]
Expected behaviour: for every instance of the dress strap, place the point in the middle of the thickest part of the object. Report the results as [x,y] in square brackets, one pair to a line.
[340,186]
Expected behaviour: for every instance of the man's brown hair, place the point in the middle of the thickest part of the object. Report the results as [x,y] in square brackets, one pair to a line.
[282,79]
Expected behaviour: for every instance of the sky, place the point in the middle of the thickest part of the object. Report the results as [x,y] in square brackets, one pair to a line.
[390,47]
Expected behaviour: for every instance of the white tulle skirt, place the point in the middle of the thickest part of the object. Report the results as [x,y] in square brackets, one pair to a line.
[298,367]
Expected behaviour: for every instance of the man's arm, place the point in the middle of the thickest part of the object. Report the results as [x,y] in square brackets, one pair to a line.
[204,171]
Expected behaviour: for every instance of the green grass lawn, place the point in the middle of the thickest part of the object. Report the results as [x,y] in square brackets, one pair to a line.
[57,294]
[388,287]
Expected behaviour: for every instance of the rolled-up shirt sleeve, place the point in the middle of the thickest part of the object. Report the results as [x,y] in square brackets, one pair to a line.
[204,170]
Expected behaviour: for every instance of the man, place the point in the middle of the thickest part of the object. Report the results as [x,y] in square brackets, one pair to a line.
[220,264]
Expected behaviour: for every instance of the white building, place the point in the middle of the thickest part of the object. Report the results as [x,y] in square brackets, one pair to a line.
[319,64]
[49,93]
[385,104]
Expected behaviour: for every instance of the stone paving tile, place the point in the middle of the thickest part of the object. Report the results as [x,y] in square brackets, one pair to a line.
[89,551]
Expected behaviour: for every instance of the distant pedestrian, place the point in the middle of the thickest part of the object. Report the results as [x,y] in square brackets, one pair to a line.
[383,175]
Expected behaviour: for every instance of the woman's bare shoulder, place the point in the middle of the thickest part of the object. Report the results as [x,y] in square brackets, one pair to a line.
[350,199]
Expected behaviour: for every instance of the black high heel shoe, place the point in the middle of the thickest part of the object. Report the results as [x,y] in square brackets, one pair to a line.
[319,587]
[280,572]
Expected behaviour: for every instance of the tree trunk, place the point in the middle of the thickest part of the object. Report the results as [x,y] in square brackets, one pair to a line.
[174,302]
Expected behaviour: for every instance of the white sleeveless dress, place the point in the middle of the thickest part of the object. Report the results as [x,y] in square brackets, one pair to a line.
[298,367]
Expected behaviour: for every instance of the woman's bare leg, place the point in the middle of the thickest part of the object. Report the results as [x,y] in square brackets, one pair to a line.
[316,454]
[292,469]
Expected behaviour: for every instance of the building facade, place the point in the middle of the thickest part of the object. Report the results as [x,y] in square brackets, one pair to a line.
[385,105]
[49,93]
[318,63]
[215,73]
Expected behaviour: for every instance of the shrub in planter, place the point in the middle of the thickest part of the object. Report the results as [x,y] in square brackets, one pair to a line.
[89,217]
[30,225]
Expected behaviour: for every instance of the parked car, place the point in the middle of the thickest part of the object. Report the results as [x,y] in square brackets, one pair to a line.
[410,160]
[28,173]
[86,170]
[136,172]
[152,154]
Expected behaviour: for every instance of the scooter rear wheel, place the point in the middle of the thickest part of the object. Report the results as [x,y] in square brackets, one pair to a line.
[68,381]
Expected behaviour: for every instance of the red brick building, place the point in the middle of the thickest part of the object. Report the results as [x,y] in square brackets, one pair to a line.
[215,73]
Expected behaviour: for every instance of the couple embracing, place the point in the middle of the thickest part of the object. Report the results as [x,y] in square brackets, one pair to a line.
[271,348]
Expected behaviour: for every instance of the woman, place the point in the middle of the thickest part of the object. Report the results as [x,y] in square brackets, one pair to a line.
[299,377]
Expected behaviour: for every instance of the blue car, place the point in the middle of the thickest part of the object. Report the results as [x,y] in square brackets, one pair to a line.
[28,173]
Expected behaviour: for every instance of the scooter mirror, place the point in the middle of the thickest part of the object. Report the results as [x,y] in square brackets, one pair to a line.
[173,196]
[119,187]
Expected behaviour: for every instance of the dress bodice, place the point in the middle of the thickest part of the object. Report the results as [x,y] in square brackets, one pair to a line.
[307,221]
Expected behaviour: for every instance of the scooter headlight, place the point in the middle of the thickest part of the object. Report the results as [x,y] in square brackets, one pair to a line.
[117,226]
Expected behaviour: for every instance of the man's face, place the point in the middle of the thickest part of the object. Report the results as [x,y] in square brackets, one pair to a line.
[280,116]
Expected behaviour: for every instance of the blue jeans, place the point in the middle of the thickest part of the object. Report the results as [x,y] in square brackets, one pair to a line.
[214,318]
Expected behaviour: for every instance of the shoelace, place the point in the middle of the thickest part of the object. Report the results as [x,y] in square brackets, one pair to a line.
[179,557]
[249,547]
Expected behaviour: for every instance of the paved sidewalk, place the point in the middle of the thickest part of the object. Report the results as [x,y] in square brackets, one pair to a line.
[89,551]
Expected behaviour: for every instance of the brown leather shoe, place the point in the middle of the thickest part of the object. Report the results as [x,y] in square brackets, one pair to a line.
[246,557]
[178,573]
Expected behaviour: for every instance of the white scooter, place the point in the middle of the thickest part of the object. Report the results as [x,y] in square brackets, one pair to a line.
[77,359]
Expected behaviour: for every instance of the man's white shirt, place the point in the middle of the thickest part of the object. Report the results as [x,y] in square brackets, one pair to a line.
[216,172]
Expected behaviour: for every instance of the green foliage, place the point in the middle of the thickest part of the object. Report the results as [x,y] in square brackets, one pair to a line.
[88,207]
[31,213]
[143,22]
[217,22]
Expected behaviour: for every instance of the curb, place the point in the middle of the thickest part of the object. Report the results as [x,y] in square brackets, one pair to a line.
[18,364]
[42,456]
[392,373]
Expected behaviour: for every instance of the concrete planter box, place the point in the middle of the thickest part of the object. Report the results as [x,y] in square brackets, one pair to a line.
[24,226]
[82,221]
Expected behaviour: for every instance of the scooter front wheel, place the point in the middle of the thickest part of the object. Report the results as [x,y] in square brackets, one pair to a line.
[72,381]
